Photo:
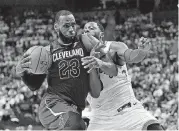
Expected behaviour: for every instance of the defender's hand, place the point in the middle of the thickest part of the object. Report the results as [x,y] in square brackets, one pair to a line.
[144,44]
[96,50]
[91,62]
[101,46]
[93,39]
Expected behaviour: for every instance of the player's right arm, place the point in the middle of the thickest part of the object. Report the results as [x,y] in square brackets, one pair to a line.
[23,69]
[128,55]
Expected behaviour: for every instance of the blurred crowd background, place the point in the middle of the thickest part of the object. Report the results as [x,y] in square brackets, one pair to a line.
[155,80]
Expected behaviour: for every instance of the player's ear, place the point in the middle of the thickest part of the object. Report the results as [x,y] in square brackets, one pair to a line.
[101,36]
[56,26]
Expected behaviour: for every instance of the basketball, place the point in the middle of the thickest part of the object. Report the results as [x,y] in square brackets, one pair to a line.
[40,59]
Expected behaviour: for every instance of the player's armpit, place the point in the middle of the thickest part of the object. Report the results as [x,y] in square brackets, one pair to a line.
[134,56]
[33,81]
[117,60]
[118,47]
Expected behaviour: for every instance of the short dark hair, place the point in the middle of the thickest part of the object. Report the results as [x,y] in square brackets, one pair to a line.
[61,13]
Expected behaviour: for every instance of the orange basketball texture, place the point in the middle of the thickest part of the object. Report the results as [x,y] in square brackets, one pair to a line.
[40,59]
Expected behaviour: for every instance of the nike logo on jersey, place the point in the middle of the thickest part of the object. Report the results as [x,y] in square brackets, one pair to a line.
[68,54]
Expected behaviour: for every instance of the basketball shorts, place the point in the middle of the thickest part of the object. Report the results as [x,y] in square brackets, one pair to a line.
[54,113]
[130,118]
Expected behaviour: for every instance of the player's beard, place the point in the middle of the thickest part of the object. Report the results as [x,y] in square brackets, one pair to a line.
[67,40]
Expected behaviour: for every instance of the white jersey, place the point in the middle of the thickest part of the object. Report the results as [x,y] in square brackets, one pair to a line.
[117,91]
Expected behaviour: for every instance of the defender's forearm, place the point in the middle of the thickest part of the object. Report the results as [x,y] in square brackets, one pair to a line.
[134,56]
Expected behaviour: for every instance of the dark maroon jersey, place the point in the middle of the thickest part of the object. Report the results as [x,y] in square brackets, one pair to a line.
[67,77]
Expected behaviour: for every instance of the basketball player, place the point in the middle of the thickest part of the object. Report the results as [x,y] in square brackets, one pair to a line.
[68,82]
[117,108]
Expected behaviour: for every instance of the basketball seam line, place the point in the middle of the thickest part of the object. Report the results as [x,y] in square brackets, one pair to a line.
[34,49]
[38,60]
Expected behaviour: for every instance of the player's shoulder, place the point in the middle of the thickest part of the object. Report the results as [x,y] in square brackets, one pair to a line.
[54,45]
[115,58]
[113,54]
[116,42]
[47,48]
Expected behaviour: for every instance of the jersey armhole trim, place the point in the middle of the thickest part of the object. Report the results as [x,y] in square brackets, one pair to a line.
[144,128]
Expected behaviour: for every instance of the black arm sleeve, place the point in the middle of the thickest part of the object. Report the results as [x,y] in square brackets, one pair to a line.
[33,81]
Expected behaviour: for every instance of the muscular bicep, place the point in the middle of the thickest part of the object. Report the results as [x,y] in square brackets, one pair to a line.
[119,48]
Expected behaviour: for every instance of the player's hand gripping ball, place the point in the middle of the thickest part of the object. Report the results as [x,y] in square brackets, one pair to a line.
[36,60]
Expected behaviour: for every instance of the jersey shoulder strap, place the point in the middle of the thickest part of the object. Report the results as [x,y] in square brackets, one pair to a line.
[114,56]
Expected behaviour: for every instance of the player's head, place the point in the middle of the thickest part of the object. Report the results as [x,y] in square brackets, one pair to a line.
[65,26]
[95,29]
